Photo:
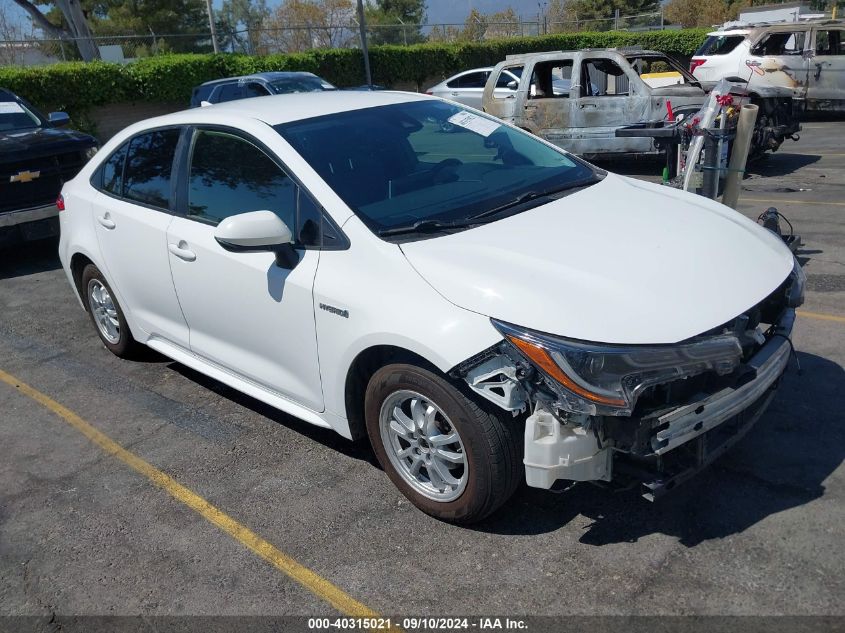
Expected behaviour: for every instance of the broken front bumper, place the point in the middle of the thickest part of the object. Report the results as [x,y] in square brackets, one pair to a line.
[678,442]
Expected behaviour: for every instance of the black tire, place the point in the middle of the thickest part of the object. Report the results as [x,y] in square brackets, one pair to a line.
[491,443]
[125,346]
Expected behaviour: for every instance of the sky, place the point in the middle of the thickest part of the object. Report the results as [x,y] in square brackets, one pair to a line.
[439,11]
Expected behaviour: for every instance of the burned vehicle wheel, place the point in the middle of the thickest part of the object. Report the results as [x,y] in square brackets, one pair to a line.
[448,456]
[106,314]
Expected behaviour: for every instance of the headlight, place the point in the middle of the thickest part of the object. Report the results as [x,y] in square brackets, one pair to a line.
[602,379]
[90,152]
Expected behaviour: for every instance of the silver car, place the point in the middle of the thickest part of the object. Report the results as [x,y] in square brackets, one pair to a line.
[467,87]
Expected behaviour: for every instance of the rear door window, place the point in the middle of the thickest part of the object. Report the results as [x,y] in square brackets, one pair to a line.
[149,163]
[470,80]
[228,92]
[829,43]
[782,43]
[719,45]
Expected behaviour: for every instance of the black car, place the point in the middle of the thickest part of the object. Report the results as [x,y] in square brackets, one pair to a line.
[261,85]
[36,159]
[257,85]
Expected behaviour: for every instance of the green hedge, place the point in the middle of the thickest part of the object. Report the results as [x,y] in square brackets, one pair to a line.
[76,86]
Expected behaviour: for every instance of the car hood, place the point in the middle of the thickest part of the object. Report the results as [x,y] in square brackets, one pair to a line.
[31,143]
[622,261]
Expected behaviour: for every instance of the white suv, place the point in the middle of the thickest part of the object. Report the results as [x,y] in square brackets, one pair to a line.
[469,300]
[807,58]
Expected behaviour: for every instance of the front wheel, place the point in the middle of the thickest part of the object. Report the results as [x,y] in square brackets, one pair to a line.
[447,455]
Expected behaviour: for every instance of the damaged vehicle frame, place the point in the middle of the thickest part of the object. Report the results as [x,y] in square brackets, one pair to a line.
[611,89]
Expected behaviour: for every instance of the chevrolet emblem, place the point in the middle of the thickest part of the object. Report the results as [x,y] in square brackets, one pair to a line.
[24,176]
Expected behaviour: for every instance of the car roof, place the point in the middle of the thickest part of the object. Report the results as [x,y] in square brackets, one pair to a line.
[745,28]
[268,76]
[7,95]
[277,109]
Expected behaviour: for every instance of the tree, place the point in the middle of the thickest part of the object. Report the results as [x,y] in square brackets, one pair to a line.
[692,13]
[595,14]
[298,25]
[395,21]
[185,19]
[74,25]
[503,24]
[239,24]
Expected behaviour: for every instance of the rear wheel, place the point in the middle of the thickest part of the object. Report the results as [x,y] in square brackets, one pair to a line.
[447,455]
[106,314]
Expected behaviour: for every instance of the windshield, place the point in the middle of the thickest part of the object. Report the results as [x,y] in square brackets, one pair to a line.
[304,83]
[402,164]
[14,116]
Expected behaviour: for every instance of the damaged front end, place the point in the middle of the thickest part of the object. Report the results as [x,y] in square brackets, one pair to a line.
[639,413]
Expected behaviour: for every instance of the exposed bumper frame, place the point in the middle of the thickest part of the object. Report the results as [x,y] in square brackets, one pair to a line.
[689,421]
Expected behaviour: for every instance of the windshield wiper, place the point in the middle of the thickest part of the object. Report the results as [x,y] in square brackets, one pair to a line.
[533,195]
[423,226]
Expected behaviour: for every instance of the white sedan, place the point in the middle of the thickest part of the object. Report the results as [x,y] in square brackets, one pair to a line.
[482,305]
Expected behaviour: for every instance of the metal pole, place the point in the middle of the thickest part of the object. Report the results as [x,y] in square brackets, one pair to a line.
[211,26]
[362,27]
[616,21]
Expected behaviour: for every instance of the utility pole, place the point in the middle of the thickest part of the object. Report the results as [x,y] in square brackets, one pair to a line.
[211,26]
[362,27]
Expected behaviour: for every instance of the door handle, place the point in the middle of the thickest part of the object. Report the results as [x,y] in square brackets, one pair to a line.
[456,94]
[182,251]
[587,105]
[106,221]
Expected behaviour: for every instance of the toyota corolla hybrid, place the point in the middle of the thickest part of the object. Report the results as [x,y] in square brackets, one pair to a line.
[485,307]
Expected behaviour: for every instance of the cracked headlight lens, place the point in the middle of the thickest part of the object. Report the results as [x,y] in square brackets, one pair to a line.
[599,379]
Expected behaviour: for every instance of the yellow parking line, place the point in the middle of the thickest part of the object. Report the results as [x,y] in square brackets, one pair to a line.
[315,583]
[821,316]
[782,200]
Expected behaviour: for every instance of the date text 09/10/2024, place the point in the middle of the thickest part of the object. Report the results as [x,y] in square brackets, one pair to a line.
[417,624]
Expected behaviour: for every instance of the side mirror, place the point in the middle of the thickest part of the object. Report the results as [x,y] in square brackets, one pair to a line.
[258,231]
[513,85]
[58,119]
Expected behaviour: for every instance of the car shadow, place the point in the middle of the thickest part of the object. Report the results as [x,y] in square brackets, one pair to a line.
[781,464]
[781,163]
[29,258]
[329,438]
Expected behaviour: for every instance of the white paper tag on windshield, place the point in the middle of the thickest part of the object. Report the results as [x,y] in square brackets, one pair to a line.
[474,123]
[10,107]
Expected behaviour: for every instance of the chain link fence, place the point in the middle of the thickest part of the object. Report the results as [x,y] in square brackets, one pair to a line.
[301,37]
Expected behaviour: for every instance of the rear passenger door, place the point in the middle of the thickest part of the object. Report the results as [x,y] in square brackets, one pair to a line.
[468,88]
[132,212]
[827,69]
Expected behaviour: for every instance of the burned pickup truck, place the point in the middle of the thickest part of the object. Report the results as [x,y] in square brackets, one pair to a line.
[36,158]
[607,89]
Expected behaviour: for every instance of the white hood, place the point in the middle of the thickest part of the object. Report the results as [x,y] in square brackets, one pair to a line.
[622,261]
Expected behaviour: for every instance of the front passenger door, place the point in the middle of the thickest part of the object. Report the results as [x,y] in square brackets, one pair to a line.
[827,69]
[244,312]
